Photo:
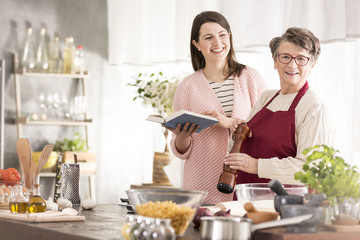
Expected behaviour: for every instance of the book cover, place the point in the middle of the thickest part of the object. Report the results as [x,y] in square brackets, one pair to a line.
[182,117]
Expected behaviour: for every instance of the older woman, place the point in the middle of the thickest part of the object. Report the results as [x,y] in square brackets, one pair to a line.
[283,122]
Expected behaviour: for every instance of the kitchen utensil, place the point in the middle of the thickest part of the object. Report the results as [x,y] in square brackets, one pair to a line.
[276,186]
[187,203]
[227,179]
[259,217]
[44,157]
[313,207]
[23,148]
[67,181]
[260,194]
[237,228]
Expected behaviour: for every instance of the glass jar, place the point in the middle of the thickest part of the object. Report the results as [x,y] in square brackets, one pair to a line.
[36,202]
[145,231]
[162,230]
[135,229]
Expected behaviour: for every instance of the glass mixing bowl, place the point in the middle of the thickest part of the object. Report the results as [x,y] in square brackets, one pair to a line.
[261,196]
[178,205]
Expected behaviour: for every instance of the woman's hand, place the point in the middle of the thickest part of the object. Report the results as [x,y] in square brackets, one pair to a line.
[243,162]
[183,135]
[225,122]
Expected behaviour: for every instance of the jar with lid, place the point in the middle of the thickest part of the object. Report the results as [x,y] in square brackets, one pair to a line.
[135,229]
[126,228]
[18,202]
[162,230]
[148,226]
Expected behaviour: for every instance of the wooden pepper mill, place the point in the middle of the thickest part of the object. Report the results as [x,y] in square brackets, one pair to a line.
[227,178]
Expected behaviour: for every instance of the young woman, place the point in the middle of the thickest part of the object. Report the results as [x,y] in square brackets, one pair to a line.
[219,84]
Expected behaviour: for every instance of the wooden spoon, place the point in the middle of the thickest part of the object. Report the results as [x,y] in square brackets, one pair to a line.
[259,217]
[44,157]
[23,148]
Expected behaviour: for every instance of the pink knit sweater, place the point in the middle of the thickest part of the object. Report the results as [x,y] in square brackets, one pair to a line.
[205,157]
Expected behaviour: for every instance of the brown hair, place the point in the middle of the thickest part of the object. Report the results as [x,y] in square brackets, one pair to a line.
[301,37]
[197,59]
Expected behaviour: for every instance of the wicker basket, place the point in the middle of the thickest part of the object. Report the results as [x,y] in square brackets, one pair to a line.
[161,159]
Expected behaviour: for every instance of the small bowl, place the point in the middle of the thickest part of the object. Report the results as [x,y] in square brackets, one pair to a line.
[160,203]
[262,197]
[307,226]
[50,163]
[281,200]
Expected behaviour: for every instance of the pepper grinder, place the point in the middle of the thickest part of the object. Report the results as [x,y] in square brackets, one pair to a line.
[227,178]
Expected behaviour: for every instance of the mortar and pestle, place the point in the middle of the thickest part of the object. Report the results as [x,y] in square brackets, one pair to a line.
[282,197]
[227,179]
[259,217]
[312,207]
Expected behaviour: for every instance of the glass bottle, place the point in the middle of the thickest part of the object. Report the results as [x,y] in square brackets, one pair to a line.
[55,63]
[28,57]
[69,55]
[42,60]
[36,202]
[18,202]
[162,230]
[79,60]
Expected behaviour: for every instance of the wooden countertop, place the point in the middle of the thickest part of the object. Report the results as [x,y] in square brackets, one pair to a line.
[105,222]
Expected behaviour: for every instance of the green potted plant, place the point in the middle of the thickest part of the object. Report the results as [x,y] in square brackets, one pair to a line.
[326,172]
[157,91]
[78,146]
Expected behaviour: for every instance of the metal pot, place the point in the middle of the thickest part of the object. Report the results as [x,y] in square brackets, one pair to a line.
[238,228]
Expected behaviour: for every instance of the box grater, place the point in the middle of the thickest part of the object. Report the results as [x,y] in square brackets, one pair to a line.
[67,181]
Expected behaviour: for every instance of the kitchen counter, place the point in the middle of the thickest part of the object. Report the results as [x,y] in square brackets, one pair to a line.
[105,222]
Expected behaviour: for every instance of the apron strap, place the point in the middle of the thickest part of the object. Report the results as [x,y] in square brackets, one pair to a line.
[299,96]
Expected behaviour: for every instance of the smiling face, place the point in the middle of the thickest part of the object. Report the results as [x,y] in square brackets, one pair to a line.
[214,42]
[292,76]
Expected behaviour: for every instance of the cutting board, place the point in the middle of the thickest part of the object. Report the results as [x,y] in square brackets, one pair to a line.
[343,228]
[49,216]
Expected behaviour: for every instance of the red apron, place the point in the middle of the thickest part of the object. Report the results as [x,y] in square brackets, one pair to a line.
[273,135]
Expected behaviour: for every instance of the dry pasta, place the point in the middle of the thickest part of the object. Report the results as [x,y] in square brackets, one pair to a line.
[180,216]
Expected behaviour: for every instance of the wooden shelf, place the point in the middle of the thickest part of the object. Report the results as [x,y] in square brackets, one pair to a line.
[51,75]
[52,122]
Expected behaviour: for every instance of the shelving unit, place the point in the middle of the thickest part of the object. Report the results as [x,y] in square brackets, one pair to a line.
[21,120]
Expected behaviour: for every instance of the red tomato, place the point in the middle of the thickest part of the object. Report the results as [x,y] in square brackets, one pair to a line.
[11,174]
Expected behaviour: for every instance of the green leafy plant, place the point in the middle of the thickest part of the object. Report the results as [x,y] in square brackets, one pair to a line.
[78,144]
[157,91]
[326,172]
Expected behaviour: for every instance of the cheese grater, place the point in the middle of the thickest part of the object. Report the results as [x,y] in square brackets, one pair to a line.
[68,181]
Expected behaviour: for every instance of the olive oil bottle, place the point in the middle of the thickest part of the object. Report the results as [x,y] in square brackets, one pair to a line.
[36,202]
[18,202]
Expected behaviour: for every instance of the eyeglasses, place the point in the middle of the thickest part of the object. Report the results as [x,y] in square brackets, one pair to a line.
[299,60]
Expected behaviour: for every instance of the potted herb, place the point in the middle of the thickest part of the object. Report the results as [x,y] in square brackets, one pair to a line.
[326,172]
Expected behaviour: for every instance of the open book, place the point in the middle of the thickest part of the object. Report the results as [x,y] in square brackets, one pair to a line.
[182,117]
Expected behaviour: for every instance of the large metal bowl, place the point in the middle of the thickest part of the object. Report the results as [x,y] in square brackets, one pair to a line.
[189,202]
[262,196]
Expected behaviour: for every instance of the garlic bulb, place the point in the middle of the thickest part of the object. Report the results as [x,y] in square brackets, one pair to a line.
[63,203]
[50,205]
[88,204]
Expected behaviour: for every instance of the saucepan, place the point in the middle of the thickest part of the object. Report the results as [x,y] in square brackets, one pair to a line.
[238,228]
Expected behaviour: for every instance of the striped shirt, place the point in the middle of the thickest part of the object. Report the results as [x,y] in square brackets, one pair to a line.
[225,93]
